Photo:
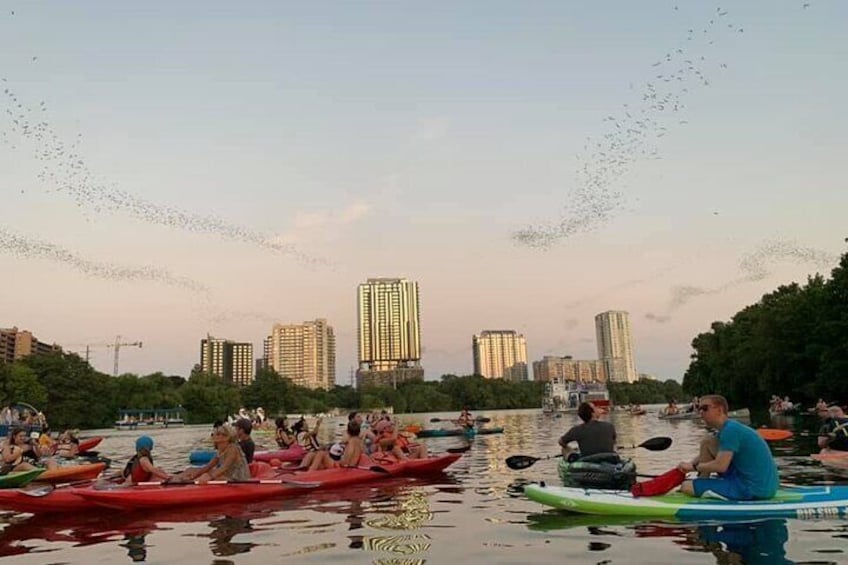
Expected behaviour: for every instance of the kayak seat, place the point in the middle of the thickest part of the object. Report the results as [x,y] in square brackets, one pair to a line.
[609,457]
[259,469]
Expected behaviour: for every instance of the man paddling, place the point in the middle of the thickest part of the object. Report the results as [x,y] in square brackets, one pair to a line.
[592,436]
[833,435]
[746,469]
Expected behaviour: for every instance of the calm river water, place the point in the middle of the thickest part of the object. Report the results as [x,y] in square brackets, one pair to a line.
[470,514]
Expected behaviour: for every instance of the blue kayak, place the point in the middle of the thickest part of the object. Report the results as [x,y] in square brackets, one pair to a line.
[467,432]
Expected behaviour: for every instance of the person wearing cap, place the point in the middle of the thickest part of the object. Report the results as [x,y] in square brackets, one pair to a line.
[228,464]
[243,429]
[140,467]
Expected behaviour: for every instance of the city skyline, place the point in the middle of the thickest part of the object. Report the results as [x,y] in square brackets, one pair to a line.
[528,167]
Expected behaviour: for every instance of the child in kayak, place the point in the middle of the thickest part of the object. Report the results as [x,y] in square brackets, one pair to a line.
[140,467]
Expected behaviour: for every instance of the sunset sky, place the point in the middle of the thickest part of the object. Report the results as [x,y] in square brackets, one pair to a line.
[172,169]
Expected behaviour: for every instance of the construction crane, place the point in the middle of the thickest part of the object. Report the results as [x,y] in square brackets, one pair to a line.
[117,346]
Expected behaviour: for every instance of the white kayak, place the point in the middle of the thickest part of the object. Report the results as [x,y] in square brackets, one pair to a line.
[790,502]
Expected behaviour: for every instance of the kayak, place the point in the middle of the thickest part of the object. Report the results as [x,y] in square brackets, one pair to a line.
[89,443]
[790,502]
[741,414]
[43,498]
[292,454]
[19,479]
[150,496]
[70,473]
[468,432]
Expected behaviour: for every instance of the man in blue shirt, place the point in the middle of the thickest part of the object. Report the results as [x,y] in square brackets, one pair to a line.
[744,463]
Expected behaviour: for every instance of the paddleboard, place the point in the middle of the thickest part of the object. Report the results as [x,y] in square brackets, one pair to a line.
[815,502]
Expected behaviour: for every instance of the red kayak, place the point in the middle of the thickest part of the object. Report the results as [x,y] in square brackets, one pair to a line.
[149,496]
[293,454]
[89,443]
[42,498]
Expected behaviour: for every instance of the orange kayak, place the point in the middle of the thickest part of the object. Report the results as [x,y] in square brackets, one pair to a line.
[413,428]
[72,473]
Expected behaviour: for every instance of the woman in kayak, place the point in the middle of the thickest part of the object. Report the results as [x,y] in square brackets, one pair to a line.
[308,440]
[746,469]
[285,438]
[347,453]
[465,420]
[68,445]
[228,464]
[140,468]
[21,453]
[592,436]
[390,441]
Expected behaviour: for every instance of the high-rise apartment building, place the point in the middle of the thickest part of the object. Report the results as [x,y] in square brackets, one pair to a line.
[304,353]
[16,344]
[500,354]
[615,346]
[563,369]
[231,361]
[389,331]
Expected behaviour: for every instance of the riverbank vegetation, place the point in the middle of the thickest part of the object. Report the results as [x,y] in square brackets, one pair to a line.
[74,395]
[793,342]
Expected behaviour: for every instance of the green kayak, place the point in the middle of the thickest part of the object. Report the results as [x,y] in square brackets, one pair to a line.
[19,479]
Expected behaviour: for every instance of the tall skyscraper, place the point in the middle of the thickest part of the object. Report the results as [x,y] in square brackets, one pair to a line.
[389,331]
[615,346]
[500,354]
[304,353]
[231,361]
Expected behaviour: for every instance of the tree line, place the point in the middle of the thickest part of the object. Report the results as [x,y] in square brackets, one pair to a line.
[793,341]
[72,394]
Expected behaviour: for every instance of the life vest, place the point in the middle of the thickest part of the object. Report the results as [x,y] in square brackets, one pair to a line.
[135,471]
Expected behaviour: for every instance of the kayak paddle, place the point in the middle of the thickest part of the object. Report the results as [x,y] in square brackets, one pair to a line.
[478,419]
[518,462]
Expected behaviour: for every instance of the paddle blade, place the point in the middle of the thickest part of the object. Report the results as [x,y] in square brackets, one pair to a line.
[462,449]
[656,444]
[435,420]
[772,434]
[518,462]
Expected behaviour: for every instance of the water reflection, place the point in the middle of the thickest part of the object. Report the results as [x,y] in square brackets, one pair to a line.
[475,509]
[750,542]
